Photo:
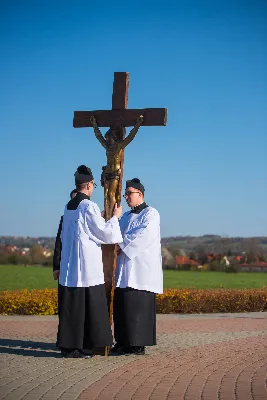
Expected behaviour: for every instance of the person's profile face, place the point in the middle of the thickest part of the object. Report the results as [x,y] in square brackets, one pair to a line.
[90,187]
[133,197]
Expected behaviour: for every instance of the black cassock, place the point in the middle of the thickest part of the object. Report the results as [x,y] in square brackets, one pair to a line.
[134,313]
[58,248]
[82,311]
[82,324]
[57,258]
[134,317]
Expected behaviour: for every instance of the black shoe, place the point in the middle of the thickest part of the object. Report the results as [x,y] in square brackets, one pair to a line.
[117,348]
[135,350]
[70,353]
[140,350]
[66,354]
[80,354]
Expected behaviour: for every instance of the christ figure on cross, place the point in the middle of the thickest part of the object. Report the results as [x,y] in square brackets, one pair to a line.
[114,144]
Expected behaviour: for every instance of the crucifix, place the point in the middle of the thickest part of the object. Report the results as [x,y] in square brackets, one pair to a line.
[115,141]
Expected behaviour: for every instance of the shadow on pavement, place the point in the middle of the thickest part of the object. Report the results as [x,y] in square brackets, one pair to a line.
[28,348]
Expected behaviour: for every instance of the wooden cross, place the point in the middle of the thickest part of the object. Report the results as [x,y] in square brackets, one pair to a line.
[124,117]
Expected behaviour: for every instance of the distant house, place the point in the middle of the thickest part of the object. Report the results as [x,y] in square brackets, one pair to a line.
[238,258]
[226,261]
[25,251]
[211,257]
[182,260]
[214,257]
[11,249]
[256,266]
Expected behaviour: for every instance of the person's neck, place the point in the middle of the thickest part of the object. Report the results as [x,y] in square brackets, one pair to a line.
[84,192]
[137,205]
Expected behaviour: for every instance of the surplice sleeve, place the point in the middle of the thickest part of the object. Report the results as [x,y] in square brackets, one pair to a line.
[99,230]
[138,239]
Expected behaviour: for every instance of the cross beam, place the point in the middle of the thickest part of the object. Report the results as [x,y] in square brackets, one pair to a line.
[119,113]
[105,118]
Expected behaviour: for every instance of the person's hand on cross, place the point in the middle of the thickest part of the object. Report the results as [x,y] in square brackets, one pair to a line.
[117,211]
[140,120]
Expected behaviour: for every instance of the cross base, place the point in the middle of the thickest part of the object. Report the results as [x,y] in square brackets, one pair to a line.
[101,351]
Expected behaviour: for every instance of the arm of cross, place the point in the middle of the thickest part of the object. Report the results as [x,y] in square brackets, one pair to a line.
[124,117]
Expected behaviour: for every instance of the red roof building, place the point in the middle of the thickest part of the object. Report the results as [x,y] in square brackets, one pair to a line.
[182,260]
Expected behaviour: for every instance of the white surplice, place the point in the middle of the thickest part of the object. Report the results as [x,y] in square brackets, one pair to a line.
[139,264]
[83,232]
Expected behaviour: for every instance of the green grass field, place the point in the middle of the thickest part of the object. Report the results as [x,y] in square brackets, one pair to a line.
[210,280]
[13,277]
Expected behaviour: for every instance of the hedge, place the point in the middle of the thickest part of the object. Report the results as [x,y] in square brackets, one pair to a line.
[173,301]
[195,301]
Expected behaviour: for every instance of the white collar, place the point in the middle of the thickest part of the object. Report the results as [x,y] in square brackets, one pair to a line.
[132,208]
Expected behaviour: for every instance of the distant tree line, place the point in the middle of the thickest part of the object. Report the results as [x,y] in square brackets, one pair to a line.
[35,256]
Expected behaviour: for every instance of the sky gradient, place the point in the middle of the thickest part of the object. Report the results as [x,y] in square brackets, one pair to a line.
[206,61]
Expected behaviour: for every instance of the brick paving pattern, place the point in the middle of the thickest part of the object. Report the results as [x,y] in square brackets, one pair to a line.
[205,357]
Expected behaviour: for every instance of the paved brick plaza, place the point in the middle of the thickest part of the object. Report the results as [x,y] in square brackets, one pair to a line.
[198,357]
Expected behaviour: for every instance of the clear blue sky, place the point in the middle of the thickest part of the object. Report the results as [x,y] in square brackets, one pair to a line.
[206,171]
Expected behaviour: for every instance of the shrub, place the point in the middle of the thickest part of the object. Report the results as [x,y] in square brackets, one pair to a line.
[183,267]
[13,259]
[233,267]
[195,268]
[215,266]
[205,267]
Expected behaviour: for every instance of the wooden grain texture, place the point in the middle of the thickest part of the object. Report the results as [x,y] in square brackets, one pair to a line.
[120,90]
[106,118]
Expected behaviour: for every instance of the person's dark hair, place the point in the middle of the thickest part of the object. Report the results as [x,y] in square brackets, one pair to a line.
[72,192]
[80,186]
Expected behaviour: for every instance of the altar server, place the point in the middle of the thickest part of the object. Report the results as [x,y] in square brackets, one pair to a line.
[83,315]
[138,274]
